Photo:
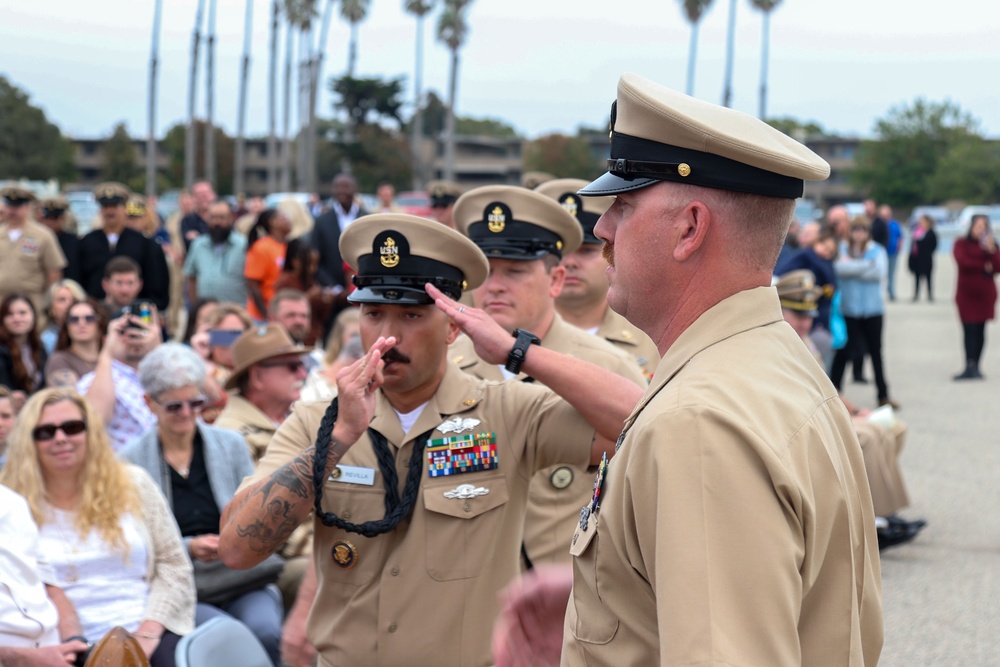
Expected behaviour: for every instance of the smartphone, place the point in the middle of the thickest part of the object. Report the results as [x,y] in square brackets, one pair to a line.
[223,337]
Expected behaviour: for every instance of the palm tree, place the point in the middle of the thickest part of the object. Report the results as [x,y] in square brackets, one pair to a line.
[315,72]
[272,97]
[727,92]
[354,12]
[765,6]
[189,138]
[452,29]
[241,114]
[151,136]
[419,8]
[286,153]
[210,98]
[693,10]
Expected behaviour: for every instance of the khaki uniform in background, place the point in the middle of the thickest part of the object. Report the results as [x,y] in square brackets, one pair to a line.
[735,523]
[26,262]
[629,339]
[176,315]
[557,493]
[255,427]
[881,448]
[426,592]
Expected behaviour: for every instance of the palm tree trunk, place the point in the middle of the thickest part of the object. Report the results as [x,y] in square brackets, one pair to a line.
[418,109]
[210,98]
[151,135]
[239,165]
[190,142]
[352,52]
[692,57]
[272,103]
[315,74]
[305,66]
[286,155]
[449,147]
[727,93]
[764,57]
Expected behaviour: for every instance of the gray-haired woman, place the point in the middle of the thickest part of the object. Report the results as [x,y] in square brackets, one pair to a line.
[199,468]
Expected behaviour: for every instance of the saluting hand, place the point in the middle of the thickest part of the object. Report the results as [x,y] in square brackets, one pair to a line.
[491,341]
[356,387]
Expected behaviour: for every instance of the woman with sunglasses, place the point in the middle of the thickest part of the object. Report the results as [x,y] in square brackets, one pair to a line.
[103,526]
[61,295]
[80,339]
[198,468]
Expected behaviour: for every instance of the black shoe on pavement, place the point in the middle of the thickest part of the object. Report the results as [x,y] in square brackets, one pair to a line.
[894,535]
[970,373]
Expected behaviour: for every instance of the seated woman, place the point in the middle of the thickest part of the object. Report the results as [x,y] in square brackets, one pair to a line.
[103,525]
[80,339]
[61,294]
[199,468]
[22,356]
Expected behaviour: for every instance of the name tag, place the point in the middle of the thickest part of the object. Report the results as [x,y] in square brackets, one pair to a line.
[353,475]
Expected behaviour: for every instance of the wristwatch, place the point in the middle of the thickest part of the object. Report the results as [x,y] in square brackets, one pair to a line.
[522,339]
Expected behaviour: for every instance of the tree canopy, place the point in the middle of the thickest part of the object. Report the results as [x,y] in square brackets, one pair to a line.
[368,100]
[565,156]
[30,146]
[926,153]
[120,158]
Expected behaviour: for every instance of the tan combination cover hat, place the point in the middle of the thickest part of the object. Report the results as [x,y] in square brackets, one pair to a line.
[659,134]
[586,210]
[513,223]
[797,290]
[111,193]
[395,254]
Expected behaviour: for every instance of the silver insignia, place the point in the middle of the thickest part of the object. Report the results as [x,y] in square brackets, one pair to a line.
[466,491]
[458,425]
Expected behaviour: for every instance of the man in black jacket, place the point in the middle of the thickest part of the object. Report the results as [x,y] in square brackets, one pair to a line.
[326,237]
[115,239]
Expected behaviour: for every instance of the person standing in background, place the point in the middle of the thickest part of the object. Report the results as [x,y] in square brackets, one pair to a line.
[978,262]
[892,246]
[921,262]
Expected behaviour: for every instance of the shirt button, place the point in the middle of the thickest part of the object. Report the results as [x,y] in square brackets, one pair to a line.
[346,515]
[467,507]
[394,571]
[392,627]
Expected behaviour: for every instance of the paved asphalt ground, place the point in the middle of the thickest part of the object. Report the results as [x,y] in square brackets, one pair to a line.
[941,592]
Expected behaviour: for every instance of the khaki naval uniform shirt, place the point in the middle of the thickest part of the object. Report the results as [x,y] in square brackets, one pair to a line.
[255,427]
[735,524]
[425,594]
[630,339]
[26,262]
[558,492]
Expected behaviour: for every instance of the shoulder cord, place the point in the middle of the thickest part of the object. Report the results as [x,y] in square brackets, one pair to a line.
[396,508]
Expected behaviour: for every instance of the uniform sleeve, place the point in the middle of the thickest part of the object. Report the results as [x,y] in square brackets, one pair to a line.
[553,432]
[172,594]
[717,542]
[53,258]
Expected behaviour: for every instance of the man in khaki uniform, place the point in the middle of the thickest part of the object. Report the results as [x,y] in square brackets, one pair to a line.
[583,301]
[524,234]
[443,195]
[734,526]
[30,257]
[434,466]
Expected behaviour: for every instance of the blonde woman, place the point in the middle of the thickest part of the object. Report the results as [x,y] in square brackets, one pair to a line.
[104,526]
[58,299]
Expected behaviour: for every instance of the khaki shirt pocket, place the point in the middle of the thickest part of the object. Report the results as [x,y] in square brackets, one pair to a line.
[588,619]
[351,558]
[461,532]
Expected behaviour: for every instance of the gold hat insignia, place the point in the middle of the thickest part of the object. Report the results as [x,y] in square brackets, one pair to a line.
[684,169]
[497,220]
[569,203]
[389,254]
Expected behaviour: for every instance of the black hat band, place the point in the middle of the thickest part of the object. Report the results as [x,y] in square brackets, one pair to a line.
[634,157]
[517,240]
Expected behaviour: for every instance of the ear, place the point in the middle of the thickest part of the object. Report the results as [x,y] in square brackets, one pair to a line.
[453,331]
[694,223]
[557,276]
[149,401]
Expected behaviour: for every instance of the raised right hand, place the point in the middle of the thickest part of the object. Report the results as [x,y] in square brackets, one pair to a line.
[356,387]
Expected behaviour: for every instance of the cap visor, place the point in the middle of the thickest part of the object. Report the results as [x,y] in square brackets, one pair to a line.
[609,184]
[404,296]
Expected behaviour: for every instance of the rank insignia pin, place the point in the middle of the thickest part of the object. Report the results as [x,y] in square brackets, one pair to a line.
[344,554]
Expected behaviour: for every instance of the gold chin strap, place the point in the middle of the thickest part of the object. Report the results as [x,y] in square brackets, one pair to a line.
[798,305]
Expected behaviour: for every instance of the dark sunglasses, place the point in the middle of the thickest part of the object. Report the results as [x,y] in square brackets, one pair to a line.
[293,365]
[48,431]
[174,407]
[76,319]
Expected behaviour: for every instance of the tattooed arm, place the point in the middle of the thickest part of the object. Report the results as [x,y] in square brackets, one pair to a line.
[261,516]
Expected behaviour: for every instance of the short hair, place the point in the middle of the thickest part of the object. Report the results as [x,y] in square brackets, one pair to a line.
[74,288]
[285,295]
[171,366]
[224,310]
[122,264]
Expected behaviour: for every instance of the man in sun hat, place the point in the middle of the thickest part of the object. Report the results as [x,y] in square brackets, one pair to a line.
[734,526]
[421,523]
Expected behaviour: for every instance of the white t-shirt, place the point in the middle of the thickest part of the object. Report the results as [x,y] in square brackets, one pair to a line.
[106,586]
[408,419]
[28,619]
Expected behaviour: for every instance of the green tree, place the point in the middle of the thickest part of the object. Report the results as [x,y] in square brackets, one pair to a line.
[30,146]
[489,127]
[174,145]
[377,155]
[453,30]
[369,100]
[120,158]
[354,12]
[564,156]
[793,127]
[911,141]
[969,171]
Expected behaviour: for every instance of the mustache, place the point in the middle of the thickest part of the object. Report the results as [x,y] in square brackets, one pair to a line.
[394,355]
[608,252]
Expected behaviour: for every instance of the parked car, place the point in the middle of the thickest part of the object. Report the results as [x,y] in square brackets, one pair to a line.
[939,214]
[415,203]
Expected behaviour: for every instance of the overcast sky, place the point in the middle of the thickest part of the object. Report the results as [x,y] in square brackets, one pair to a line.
[541,65]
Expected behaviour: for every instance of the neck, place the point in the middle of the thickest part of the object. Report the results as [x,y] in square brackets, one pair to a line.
[279,236]
[86,350]
[63,489]
[16,224]
[20,339]
[175,443]
[113,228]
[585,315]
[276,411]
[542,325]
